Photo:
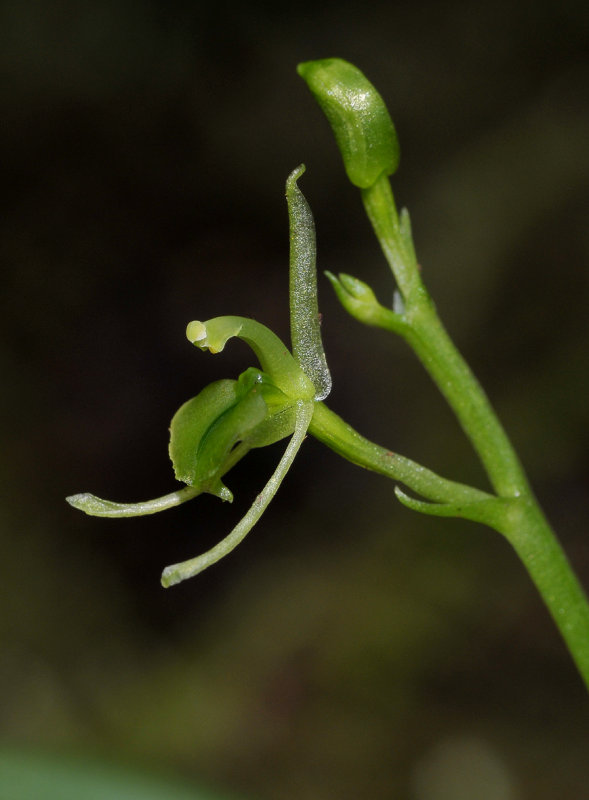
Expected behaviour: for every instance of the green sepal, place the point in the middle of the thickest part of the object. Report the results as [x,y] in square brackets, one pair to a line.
[359,118]
[305,328]
[206,429]
[192,421]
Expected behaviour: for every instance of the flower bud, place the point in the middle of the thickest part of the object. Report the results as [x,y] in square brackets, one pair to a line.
[363,128]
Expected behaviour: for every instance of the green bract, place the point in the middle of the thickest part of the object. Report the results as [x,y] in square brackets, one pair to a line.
[362,125]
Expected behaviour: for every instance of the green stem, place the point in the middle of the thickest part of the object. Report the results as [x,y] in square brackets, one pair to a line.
[521,520]
[424,332]
[331,429]
[380,206]
[456,381]
[538,547]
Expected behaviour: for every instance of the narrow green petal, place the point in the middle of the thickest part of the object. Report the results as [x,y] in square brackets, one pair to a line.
[97,507]
[275,358]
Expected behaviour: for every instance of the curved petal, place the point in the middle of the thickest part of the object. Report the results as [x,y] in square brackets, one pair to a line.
[273,355]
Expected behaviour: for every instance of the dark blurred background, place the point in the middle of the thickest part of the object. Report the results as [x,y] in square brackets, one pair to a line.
[349,648]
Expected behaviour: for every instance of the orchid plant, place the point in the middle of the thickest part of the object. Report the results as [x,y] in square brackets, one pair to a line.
[284,396]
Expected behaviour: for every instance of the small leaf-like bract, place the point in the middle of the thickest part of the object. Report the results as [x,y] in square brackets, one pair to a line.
[362,125]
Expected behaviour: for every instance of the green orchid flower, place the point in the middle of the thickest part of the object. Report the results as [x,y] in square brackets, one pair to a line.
[211,432]
[283,397]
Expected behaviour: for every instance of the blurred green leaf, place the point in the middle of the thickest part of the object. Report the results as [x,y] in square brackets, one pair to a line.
[34,776]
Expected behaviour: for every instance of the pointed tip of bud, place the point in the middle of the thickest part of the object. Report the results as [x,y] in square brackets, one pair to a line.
[360,302]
